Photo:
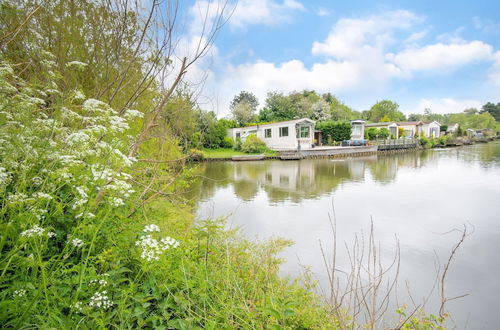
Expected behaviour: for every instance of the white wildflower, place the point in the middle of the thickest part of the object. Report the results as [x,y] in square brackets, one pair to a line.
[76,65]
[35,231]
[37,180]
[83,198]
[116,202]
[77,138]
[100,300]
[4,176]
[169,242]
[93,105]
[151,228]
[78,96]
[76,242]
[17,198]
[152,248]
[51,234]
[78,306]
[130,114]
[42,195]
[20,293]
[118,124]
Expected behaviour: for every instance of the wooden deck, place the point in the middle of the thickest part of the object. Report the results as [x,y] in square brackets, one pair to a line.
[248,157]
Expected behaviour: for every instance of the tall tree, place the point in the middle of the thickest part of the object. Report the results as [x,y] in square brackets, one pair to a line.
[385,108]
[493,109]
[247,97]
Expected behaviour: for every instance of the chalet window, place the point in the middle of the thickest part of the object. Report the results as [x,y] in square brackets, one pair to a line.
[283,131]
[304,131]
[238,135]
[356,130]
[267,133]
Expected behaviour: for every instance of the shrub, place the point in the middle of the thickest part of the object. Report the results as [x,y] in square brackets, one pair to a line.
[237,144]
[196,155]
[253,145]
[384,133]
[338,131]
[227,142]
[425,142]
[372,133]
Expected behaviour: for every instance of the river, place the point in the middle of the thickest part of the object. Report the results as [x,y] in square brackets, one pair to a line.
[419,199]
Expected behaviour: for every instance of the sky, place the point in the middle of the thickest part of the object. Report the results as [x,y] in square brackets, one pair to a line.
[442,55]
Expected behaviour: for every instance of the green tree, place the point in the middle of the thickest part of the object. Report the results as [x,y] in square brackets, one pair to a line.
[247,97]
[243,113]
[278,107]
[385,108]
[384,133]
[493,109]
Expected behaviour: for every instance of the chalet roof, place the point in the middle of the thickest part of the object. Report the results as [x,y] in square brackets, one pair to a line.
[295,121]
[380,124]
[430,121]
[408,123]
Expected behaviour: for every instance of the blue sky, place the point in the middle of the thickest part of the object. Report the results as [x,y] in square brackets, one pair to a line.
[443,55]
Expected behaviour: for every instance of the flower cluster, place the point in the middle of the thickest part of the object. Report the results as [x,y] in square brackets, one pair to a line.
[37,231]
[20,293]
[101,280]
[151,247]
[151,228]
[100,300]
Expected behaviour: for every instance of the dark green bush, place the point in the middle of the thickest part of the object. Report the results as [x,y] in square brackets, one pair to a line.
[253,144]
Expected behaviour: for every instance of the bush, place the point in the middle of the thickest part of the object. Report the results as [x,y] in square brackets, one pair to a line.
[384,133]
[338,131]
[253,145]
[227,142]
[425,142]
[196,155]
[372,133]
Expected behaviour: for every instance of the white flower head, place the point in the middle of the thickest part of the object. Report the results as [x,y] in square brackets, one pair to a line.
[76,242]
[20,293]
[151,228]
[100,300]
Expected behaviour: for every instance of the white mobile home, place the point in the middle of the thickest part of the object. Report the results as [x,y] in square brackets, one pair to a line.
[292,134]
[358,129]
[431,128]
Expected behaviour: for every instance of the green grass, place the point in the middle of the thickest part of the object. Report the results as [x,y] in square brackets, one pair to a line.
[228,153]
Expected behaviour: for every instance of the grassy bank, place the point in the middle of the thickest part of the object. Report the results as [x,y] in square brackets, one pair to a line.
[228,153]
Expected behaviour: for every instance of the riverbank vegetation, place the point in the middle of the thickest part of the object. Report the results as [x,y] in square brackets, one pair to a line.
[96,134]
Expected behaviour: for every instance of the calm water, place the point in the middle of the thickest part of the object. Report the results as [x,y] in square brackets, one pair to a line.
[417,197]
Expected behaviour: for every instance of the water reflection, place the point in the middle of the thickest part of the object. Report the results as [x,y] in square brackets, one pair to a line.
[299,180]
[414,196]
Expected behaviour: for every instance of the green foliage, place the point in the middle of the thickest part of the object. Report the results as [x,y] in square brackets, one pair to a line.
[418,320]
[384,133]
[278,107]
[247,97]
[401,132]
[371,133]
[337,131]
[386,110]
[196,155]
[443,128]
[237,144]
[253,145]
[227,142]
[492,109]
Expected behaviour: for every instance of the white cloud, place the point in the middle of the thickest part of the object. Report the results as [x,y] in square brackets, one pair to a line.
[267,12]
[415,37]
[355,37]
[444,105]
[441,56]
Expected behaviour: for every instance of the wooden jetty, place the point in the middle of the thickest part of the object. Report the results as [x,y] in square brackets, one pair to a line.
[248,157]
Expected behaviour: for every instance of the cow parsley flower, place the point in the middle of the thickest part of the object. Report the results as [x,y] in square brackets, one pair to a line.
[76,242]
[151,228]
[116,202]
[76,65]
[100,300]
[152,248]
[35,231]
[20,293]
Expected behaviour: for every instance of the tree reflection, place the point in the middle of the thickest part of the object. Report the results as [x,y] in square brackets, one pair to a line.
[298,180]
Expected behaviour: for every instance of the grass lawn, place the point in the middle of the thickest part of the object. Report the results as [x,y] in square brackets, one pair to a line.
[228,153]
